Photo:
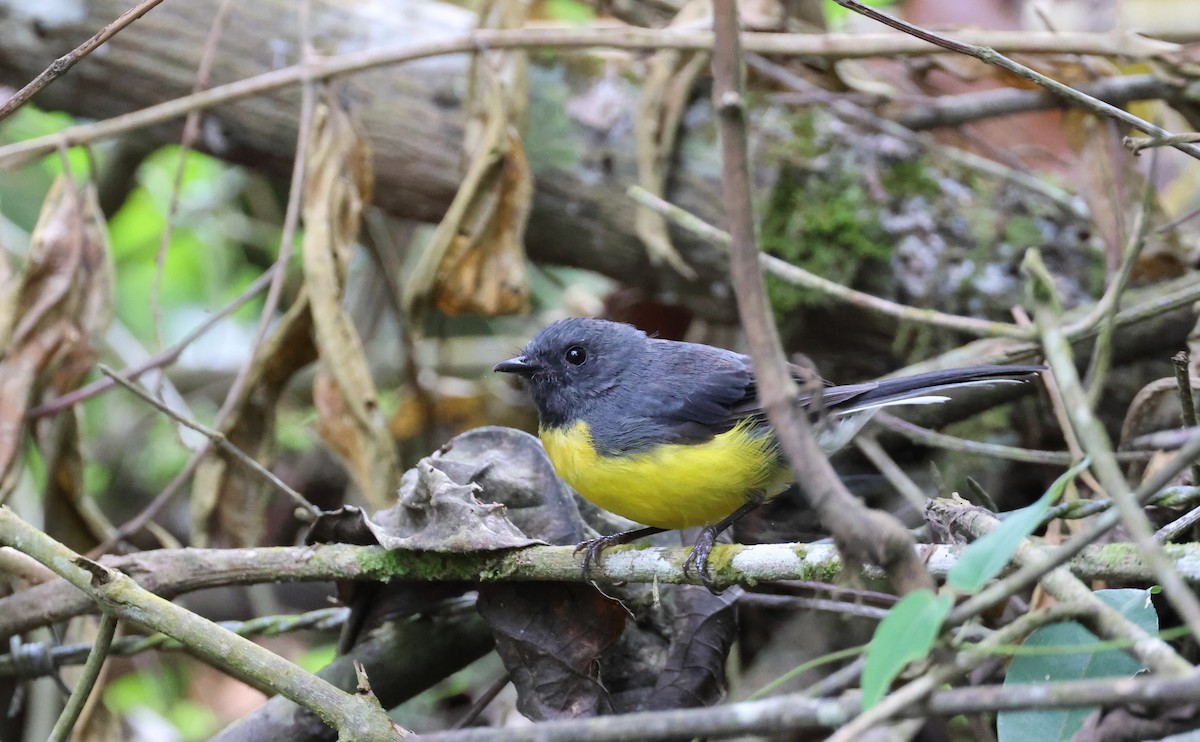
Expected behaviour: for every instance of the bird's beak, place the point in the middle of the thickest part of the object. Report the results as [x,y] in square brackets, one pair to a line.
[520,365]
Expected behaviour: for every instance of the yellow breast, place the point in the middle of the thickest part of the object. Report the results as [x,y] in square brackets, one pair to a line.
[674,485]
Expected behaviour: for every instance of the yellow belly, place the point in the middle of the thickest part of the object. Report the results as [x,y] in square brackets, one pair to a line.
[672,486]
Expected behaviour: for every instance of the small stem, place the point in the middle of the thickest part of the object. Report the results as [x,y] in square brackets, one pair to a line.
[91,672]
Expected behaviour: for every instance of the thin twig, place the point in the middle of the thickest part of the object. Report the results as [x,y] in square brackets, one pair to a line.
[869,535]
[43,659]
[483,701]
[165,358]
[1097,371]
[992,57]
[91,672]
[218,438]
[800,277]
[191,130]
[1096,443]
[60,66]
[1137,144]
[1187,401]
[831,46]
[935,439]
[887,466]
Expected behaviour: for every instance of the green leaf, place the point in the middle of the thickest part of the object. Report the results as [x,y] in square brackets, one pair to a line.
[983,559]
[905,634]
[1020,726]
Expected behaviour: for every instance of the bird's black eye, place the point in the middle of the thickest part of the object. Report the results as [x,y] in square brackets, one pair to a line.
[575,355]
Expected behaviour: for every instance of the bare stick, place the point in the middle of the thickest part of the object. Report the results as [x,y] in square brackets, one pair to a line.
[91,672]
[218,438]
[867,535]
[832,46]
[60,66]
[800,277]
[992,57]
[165,358]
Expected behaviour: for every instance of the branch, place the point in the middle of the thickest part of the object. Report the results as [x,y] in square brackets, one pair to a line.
[173,572]
[992,57]
[1096,444]
[795,711]
[355,717]
[868,536]
[60,66]
[829,46]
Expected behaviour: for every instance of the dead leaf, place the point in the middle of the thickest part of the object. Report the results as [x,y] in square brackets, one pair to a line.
[337,186]
[229,503]
[55,314]
[665,93]
[475,261]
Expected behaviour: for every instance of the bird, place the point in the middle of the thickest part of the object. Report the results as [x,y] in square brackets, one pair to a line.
[671,434]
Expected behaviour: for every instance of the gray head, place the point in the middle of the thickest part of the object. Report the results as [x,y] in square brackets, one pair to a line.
[574,362]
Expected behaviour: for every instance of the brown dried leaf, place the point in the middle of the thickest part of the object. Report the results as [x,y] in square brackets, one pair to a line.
[475,262]
[665,92]
[337,187]
[229,502]
[55,315]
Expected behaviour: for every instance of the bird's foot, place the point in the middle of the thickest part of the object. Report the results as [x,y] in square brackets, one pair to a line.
[696,564]
[592,547]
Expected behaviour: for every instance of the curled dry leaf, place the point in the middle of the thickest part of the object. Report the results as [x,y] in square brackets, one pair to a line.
[229,502]
[669,79]
[53,316]
[337,185]
[475,261]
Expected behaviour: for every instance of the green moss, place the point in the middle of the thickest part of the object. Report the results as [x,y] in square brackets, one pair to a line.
[720,565]
[417,565]
[1022,231]
[824,218]
[824,223]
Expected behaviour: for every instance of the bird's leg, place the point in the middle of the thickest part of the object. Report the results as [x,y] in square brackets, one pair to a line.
[698,559]
[592,547]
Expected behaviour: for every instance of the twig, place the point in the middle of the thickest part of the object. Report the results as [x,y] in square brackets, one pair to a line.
[165,358]
[1096,443]
[1102,349]
[869,446]
[800,277]
[60,66]
[355,718]
[794,711]
[91,672]
[934,439]
[172,572]
[871,536]
[191,130]
[218,438]
[1137,144]
[955,110]
[483,701]
[992,57]
[1187,402]
[278,273]
[830,46]
[48,658]
[801,603]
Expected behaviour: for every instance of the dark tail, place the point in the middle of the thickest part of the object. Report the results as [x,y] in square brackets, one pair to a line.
[896,391]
